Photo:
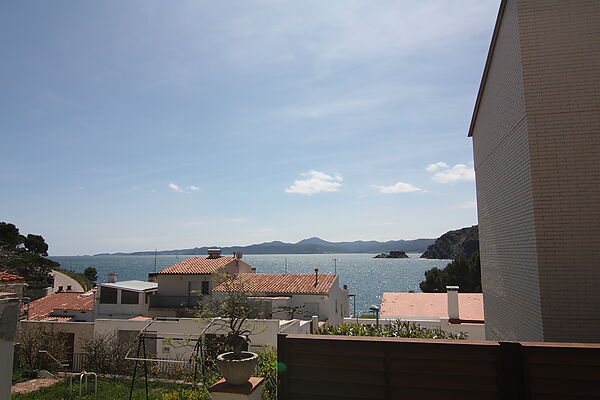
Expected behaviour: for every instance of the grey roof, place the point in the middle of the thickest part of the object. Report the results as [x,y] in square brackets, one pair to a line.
[138,286]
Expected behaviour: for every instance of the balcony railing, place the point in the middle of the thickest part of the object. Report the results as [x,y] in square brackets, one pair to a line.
[160,301]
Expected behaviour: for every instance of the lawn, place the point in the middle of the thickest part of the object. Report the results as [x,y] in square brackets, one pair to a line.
[115,389]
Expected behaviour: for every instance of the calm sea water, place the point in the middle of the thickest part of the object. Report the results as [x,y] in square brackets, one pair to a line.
[367,277]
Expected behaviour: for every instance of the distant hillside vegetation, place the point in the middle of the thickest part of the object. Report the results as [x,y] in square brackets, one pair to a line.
[451,245]
[307,246]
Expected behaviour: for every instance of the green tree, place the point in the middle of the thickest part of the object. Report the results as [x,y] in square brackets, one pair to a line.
[462,272]
[91,274]
[24,256]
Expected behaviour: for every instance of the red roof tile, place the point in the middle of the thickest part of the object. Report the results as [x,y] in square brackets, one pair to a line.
[198,265]
[470,305]
[5,276]
[71,301]
[282,283]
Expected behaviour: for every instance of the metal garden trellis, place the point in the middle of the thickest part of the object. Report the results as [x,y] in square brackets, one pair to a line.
[197,353]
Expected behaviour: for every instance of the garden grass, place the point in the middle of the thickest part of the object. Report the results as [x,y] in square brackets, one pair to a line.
[107,390]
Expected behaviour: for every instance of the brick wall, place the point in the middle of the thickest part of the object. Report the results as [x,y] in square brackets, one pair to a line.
[505,196]
[536,139]
[561,70]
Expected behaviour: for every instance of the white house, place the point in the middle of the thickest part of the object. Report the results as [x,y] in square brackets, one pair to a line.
[185,284]
[293,295]
[124,299]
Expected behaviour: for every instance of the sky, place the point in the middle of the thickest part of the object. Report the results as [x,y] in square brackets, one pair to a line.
[137,125]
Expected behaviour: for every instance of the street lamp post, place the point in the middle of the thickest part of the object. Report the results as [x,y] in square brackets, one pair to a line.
[375,309]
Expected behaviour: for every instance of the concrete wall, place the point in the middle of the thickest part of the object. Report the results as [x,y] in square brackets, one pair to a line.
[82,330]
[536,141]
[178,285]
[182,332]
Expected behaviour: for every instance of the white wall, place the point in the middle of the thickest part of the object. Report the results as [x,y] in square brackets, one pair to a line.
[186,330]
[81,330]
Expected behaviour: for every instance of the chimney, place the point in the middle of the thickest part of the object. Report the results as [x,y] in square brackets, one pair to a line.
[316,276]
[452,293]
[111,278]
[214,253]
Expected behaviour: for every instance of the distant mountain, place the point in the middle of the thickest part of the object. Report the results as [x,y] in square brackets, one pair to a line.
[312,245]
[453,244]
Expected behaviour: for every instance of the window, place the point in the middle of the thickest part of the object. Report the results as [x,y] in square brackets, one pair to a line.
[129,297]
[108,295]
[205,287]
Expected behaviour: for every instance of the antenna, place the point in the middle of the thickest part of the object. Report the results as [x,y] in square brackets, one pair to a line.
[155,250]
[335,266]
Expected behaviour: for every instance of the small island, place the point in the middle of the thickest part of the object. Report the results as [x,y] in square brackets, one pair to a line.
[392,254]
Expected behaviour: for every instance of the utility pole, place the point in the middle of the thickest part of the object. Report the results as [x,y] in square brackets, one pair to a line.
[335,266]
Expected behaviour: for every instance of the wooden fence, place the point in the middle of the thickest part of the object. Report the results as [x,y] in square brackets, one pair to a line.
[314,367]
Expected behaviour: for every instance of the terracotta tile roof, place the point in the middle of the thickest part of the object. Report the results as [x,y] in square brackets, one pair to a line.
[71,301]
[5,276]
[470,305]
[282,283]
[198,265]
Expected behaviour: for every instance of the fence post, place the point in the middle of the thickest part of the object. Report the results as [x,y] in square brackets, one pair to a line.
[511,372]
[282,366]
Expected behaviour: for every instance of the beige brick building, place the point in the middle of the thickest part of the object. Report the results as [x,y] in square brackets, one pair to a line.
[536,141]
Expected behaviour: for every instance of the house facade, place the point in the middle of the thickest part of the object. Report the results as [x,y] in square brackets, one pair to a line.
[293,295]
[124,299]
[185,284]
[536,140]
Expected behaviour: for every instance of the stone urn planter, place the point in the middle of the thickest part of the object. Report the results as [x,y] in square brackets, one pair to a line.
[235,369]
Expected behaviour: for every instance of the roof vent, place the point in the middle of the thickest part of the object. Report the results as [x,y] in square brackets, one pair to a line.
[111,278]
[214,253]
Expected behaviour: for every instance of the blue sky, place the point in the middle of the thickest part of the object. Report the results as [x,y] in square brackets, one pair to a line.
[141,124]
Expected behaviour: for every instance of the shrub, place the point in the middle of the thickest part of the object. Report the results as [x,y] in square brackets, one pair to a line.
[32,342]
[267,368]
[400,329]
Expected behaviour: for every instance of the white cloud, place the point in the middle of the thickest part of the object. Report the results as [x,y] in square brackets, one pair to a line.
[194,187]
[399,187]
[435,166]
[174,187]
[457,173]
[316,182]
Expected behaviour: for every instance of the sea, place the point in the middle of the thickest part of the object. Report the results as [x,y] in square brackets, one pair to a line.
[367,277]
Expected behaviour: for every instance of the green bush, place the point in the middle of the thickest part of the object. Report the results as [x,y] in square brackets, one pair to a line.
[267,368]
[400,329]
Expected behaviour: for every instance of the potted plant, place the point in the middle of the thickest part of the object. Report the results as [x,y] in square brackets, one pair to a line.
[238,364]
